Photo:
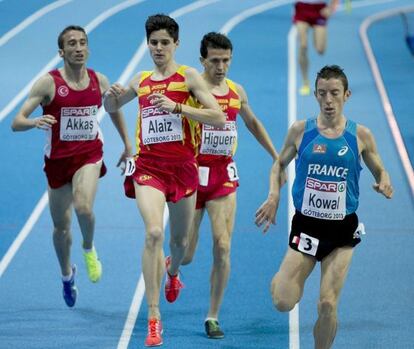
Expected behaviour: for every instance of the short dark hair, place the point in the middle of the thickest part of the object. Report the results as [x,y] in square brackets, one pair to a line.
[214,40]
[69,28]
[332,72]
[159,22]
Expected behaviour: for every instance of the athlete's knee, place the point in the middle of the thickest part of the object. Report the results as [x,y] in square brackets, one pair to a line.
[83,208]
[303,49]
[189,255]
[188,258]
[62,234]
[282,301]
[154,237]
[326,308]
[320,50]
[180,241]
[222,250]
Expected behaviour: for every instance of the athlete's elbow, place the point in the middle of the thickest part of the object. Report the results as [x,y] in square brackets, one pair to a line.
[14,126]
[110,105]
[110,108]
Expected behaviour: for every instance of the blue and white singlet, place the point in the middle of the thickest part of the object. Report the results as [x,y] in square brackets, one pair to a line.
[327,173]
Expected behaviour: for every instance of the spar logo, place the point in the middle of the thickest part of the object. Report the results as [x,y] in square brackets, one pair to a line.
[229,126]
[328,187]
[63,91]
[80,111]
[152,111]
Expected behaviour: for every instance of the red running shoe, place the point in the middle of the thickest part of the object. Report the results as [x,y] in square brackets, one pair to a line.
[154,338]
[173,285]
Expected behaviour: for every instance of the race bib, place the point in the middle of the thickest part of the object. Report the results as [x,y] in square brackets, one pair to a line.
[129,166]
[232,172]
[203,174]
[78,123]
[160,126]
[219,141]
[324,200]
[308,244]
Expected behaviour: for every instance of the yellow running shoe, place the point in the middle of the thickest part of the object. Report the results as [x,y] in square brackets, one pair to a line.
[93,265]
[305,90]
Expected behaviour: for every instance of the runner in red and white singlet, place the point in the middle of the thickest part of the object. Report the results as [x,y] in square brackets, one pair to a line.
[75,139]
[70,97]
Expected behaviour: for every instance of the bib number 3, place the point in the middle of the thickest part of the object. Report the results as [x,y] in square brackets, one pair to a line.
[308,244]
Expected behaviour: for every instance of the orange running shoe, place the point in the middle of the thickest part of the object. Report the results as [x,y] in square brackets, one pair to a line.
[173,285]
[154,338]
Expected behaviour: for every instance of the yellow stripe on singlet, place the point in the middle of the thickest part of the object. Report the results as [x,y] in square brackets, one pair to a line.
[234,103]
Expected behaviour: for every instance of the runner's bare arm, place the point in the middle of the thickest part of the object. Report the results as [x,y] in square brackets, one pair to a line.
[372,159]
[42,92]
[117,95]
[211,112]
[266,213]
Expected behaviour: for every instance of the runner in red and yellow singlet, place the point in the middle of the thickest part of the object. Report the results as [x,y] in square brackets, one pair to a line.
[71,97]
[166,169]
[217,169]
[165,140]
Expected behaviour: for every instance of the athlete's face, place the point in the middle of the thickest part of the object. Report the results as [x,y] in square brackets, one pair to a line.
[75,47]
[331,97]
[162,47]
[216,64]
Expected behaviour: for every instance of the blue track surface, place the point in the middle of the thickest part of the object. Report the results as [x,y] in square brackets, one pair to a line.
[377,301]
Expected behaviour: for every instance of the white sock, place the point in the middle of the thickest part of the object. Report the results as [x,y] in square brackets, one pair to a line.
[210,318]
[67,277]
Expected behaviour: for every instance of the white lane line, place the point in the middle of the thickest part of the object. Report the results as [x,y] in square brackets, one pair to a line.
[29,20]
[18,241]
[56,59]
[7,258]
[294,329]
[392,122]
[294,341]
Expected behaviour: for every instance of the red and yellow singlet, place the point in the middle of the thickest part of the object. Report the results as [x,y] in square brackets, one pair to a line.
[162,134]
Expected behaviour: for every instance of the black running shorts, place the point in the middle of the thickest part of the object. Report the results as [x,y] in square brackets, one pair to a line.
[319,237]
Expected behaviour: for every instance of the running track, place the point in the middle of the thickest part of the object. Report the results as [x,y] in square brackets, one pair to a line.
[377,301]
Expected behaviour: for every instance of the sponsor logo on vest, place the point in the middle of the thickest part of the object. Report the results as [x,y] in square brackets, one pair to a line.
[152,111]
[144,178]
[79,111]
[343,150]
